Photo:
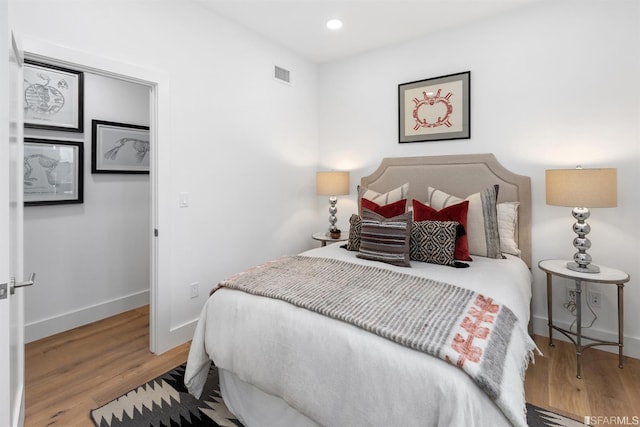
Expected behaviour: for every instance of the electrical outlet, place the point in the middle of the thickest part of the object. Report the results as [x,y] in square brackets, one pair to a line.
[594,299]
[571,295]
[194,289]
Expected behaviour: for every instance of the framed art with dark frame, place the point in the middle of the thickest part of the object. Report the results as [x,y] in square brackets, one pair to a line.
[53,97]
[435,109]
[119,147]
[53,172]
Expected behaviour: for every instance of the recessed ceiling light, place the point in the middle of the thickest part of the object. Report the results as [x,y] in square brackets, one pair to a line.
[334,24]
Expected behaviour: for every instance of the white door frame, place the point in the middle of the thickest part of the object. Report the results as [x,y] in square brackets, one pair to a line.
[161,337]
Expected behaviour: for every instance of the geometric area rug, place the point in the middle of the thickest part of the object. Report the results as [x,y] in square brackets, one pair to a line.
[165,402]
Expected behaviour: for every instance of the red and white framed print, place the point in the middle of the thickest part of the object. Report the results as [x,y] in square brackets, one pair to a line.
[435,109]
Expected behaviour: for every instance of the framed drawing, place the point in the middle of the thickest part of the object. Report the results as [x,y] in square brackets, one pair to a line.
[53,172]
[435,109]
[53,97]
[119,147]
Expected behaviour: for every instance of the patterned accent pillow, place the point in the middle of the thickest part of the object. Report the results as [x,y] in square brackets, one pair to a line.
[434,241]
[507,226]
[457,212]
[355,222]
[355,228]
[391,196]
[385,239]
[482,219]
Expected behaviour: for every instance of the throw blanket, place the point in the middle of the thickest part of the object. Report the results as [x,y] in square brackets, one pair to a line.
[458,325]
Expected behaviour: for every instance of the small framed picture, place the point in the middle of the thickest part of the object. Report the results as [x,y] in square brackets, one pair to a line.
[53,172]
[119,147]
[53,97]
[435,109]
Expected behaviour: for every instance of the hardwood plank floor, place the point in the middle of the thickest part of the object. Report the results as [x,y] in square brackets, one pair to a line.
[604,391]
[69,374]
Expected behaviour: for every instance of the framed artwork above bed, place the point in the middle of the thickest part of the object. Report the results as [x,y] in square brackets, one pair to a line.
[435,109]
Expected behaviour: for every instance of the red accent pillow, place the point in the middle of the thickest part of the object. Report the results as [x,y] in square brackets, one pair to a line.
[387,211]
[457,212]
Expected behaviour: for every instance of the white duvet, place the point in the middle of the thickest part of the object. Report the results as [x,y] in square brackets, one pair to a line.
[339,375]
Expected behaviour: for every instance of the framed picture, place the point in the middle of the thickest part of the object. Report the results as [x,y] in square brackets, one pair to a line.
[119,147]
[53,172]
[435,109]
[53,97]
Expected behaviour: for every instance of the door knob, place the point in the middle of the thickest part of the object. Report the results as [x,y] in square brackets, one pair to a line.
[13,285]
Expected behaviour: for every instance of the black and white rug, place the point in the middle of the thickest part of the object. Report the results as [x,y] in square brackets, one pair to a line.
[165,402]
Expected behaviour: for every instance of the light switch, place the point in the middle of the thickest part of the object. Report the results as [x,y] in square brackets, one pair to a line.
[184,200]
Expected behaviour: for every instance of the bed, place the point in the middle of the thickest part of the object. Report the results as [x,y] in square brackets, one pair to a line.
[283,364]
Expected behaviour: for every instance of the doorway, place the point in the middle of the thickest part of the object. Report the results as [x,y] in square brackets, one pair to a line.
[160,336]
[95,254]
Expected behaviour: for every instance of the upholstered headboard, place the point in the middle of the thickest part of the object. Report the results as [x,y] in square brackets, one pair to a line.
[460,175]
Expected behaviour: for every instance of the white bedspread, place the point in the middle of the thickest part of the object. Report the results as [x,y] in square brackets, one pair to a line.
[339,375]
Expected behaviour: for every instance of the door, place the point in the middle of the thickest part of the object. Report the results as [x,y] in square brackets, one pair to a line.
[11,250]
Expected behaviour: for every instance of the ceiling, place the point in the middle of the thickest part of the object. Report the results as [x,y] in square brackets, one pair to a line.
[368,24]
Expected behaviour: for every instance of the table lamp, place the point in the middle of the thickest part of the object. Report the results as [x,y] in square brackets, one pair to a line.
[582,189]
[332,184]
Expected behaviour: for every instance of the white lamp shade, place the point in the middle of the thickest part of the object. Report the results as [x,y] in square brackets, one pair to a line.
[590,188]
[332,183]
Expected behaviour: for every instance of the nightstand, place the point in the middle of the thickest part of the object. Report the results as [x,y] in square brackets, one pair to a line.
[325,238]
[558,267]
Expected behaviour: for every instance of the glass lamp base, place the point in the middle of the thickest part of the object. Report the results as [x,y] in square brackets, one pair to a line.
[589,268]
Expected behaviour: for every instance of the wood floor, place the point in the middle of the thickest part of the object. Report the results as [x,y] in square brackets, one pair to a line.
[71,373]
[68,374]
[604,391]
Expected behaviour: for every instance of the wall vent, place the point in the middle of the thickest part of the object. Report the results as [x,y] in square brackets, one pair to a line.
[282,74]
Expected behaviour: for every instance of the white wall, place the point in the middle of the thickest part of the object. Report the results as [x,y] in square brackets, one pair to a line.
[91,259]
[241,144]
[553,85]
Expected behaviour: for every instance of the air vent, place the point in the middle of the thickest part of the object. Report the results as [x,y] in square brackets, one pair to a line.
[282,75]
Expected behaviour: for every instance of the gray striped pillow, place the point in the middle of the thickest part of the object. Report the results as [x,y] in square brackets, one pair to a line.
[385,239]
[482,219]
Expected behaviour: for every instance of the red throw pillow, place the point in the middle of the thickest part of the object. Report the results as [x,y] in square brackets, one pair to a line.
[387,211]
[457,212]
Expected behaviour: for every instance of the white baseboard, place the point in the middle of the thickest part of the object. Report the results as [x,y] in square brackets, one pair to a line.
[182,333]
[631,344]
[178,335]
[72,319]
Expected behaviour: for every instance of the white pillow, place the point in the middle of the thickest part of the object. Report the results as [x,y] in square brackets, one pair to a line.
[382,199]
[482,222]
[507,226]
